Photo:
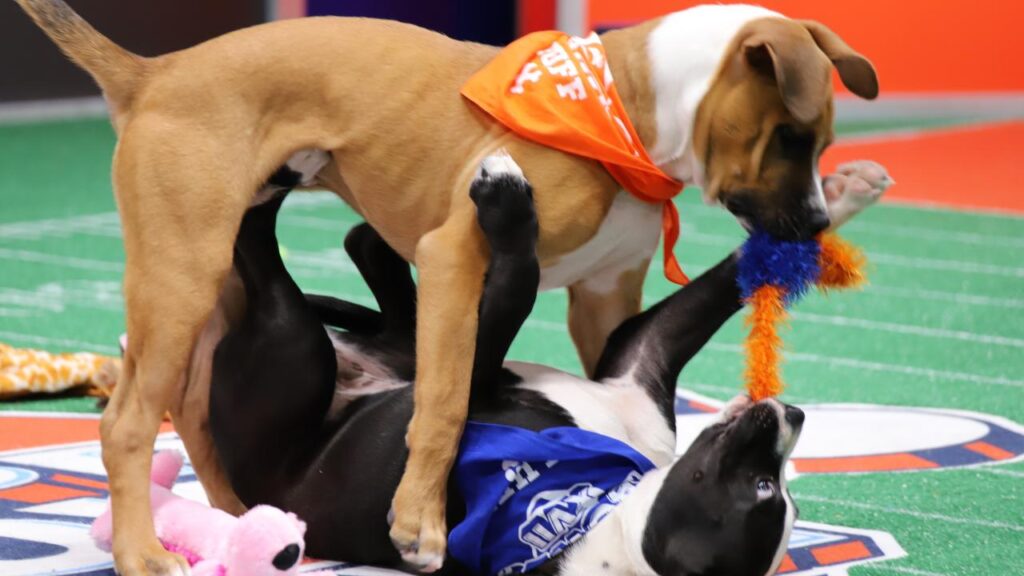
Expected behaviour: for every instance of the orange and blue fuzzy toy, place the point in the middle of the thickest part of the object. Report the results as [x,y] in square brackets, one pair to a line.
[772,275]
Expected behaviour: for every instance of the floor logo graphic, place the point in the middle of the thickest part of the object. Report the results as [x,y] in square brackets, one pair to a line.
[52,482]
[557,518]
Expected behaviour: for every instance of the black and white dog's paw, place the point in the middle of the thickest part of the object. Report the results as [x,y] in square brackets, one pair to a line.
[504,203]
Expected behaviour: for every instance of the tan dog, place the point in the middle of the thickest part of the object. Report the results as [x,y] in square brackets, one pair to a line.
[736,99]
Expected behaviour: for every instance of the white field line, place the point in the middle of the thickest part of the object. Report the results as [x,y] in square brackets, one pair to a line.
[998,472]
[961,266]
[912,294]
[915,262]
[106,224]
[943,296]
[66,261]
[55,297]
[333,259]
[926,206]
[702,211]
[900,328]
[339,225]
[838,361]
[911,513]
[61,343]
[904,570]
[27,299]
[102,224]
[312,198]
[922,233]
[733,391]
[910,329]
[314,264]
[930,373]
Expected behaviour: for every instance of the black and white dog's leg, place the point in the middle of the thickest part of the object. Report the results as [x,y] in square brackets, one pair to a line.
[656,344]
[505,212]
[389,279]
[273,373]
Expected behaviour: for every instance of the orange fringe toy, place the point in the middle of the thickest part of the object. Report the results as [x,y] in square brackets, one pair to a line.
[772,275]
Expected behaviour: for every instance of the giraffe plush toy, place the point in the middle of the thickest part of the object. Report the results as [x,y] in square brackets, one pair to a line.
[24,371]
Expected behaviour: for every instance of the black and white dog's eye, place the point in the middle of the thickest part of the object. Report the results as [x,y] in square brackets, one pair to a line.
[765,489]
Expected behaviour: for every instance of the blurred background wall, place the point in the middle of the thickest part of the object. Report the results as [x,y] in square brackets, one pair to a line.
[33,68]
[918,46]
[949,56]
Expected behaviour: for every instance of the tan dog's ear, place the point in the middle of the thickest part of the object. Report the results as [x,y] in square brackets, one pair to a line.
[778,49]
[856,71]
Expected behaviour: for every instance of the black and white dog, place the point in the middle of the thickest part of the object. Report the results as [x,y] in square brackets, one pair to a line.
[313,420]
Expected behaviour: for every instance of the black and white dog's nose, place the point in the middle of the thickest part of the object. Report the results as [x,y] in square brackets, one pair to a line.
[794,416]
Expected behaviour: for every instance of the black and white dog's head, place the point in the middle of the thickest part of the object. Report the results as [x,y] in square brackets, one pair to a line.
[721,509]
[724,508]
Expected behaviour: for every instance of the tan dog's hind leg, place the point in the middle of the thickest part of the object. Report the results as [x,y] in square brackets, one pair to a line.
[595,313]
[181,199]
[451,261]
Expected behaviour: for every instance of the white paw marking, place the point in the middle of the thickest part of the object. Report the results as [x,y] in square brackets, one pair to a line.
[500,162]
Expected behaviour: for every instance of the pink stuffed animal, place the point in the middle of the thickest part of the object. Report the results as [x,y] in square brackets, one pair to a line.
[262,542]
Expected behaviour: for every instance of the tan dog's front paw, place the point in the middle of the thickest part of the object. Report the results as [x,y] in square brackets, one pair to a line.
[855,186]
[418,530]
[152,561]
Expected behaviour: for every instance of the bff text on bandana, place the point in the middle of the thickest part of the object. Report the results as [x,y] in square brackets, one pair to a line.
[557,90]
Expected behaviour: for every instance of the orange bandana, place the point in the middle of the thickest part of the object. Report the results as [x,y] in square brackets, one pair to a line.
[557,90]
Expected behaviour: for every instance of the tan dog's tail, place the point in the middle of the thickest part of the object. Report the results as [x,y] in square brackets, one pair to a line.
[116,70]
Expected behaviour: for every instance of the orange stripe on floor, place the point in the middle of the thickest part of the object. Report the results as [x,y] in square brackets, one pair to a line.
[43,493]
[702,407]
[787,565]
[20,432]
[863,463]
[86,482]
[838,553]
[992,451]
[976,167]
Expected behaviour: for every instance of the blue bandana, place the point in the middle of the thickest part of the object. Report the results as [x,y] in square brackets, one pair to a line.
[529,495]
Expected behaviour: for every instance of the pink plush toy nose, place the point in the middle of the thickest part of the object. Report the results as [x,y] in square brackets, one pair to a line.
[287,557]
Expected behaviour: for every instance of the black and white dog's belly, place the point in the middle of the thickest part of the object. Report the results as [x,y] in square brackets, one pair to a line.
[525,395]
[368,370]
